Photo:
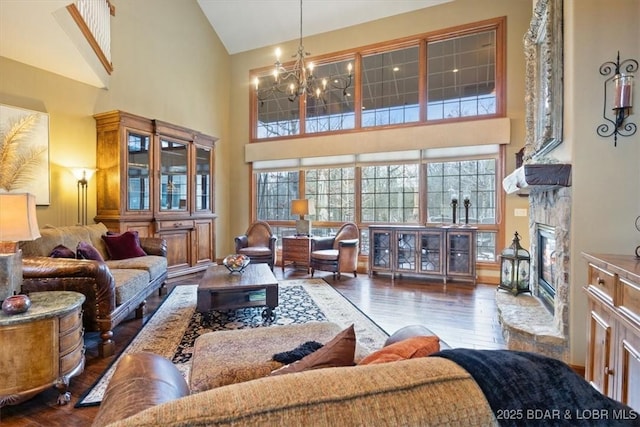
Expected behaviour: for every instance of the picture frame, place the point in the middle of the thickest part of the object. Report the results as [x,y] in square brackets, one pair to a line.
[24,143]
[543,46]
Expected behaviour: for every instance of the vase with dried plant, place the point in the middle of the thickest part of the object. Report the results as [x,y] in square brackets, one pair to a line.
[18,161]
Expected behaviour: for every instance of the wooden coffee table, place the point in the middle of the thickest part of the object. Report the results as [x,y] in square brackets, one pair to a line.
[256,286]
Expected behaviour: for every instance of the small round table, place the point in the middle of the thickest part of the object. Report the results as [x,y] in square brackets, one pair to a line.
[41,348]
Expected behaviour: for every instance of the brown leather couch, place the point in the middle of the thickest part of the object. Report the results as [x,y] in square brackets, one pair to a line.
[113,288]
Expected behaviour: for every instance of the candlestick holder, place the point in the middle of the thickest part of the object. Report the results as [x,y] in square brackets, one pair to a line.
[622,100]
[454,207]
[467,205]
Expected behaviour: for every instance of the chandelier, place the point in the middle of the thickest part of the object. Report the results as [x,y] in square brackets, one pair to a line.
[300,81]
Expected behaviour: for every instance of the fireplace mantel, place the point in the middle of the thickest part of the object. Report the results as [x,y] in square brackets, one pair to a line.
[538,177]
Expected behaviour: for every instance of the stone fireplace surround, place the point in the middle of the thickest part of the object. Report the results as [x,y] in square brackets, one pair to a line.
[527,324]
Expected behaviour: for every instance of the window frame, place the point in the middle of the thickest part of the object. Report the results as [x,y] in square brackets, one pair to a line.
[421,40]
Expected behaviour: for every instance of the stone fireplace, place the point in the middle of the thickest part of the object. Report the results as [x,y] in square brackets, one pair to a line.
[540,322]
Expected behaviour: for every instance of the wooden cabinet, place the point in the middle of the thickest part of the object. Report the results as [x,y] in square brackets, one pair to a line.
[613,340]
[41,348]
[444,252]
[157,178]
[296,249]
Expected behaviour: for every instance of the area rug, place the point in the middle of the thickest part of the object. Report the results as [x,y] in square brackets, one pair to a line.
[175,325]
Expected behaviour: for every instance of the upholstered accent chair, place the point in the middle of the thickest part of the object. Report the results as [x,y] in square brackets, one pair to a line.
[258,243]
[338,253]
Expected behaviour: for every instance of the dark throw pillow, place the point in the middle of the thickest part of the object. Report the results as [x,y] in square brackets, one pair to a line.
[61,251]
[123,246]
[87,251]
[297,353]
[340,351]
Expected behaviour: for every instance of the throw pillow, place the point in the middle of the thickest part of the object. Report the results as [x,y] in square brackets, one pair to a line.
[123,246]
[297,353]
[409,348]
[86,251]
[340,351]
[61,251]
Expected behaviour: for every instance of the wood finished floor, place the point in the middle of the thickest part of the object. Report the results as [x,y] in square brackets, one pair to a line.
[462,315]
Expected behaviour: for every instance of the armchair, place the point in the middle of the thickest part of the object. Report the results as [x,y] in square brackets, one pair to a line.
[258,243]
[336,254]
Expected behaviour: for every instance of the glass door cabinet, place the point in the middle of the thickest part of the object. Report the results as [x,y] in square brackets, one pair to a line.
[156,178]
[440,252]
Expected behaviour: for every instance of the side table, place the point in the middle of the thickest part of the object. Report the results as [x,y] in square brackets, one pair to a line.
[41,348]
[296,249]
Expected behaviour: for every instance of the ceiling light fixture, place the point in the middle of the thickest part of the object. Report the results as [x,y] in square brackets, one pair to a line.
[299,80]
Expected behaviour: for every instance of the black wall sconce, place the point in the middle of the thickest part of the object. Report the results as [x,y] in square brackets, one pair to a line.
[622,81]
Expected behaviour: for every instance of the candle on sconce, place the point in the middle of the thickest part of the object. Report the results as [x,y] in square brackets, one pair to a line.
[623,90]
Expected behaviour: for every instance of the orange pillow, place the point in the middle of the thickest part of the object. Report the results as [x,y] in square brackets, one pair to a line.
[420,346]
[340,351]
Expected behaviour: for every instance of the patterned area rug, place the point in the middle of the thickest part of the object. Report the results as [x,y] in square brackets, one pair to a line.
[175,325]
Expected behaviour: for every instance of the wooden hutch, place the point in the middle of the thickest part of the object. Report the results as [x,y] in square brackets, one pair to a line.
[157,178]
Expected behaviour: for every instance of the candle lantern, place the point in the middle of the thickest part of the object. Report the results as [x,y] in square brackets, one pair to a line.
[514,268]
[621,78]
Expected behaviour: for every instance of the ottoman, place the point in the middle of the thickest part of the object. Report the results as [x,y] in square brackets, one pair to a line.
[227,357]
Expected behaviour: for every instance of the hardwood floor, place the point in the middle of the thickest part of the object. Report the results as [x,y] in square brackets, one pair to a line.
[460,314]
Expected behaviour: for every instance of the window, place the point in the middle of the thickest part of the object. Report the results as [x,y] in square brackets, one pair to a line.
[394,84]
[274,191]
[333,109]
[277,116]
[462,76]
[390,193]
[390,87]
[333,193]
[472,179]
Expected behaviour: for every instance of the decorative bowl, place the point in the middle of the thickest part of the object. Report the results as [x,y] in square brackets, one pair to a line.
[16,304]
[236,263]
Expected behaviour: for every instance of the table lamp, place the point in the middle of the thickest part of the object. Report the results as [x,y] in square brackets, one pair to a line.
[303,207]
[18,222]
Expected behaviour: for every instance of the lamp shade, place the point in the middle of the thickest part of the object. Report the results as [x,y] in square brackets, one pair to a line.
[303,207]
[83,174]
[18,219]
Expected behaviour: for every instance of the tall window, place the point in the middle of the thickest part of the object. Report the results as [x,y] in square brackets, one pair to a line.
[333,108]
[274,191]
[462,76]
[471,179]
[390,193]
[333,191]
[277,116]
[390,85]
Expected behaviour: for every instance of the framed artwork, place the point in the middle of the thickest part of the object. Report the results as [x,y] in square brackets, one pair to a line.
[544,74]
[24,152]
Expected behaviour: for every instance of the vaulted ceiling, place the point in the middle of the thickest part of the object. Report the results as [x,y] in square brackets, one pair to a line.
[37,32]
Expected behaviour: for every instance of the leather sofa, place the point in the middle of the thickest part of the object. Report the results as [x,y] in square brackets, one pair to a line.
[113,288]
[442,389]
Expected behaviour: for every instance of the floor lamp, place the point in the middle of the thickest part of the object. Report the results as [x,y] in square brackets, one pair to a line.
[18,223]
[83,175]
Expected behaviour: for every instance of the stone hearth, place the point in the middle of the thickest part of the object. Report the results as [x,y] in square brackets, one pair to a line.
[527,323]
